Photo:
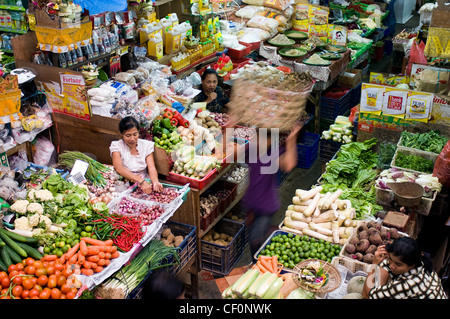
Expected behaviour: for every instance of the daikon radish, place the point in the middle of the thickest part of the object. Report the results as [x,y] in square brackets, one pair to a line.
[298,216]
[321,230]
[299,208]
[327,216]
[290,207]
[292,230]
[311,193]
[288,213]
[324,225]
[335,231]
[348,222]
[296,200]
[296,224]
[316,212]
[341,219]
[311,207]
[312,233]
[299,192]
[323,199]
[345,232]
[307,202]
[331,199]
[349,213]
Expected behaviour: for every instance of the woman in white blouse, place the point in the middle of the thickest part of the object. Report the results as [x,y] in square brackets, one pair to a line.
[132,157]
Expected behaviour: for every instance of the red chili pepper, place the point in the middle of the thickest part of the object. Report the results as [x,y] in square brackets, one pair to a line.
[174,121]
[199,110]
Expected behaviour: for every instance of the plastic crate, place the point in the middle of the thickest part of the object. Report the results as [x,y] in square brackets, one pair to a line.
[425,153]
[193,183]
[240,62]
[412,151]
[226,202]
[267,242]
[222,259]
[328,149]
[253,45]
[186,249]
[205,221]
[356,95]
[243,183]
[237,54]
[241,215]
[308,150]
[331,108]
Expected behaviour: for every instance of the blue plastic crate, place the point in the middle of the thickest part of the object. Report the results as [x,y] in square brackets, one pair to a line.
[331,108]
[308,150]
[356,95]
[328,149]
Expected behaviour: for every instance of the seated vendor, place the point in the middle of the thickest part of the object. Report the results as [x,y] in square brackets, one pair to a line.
[132,157]
[212,94]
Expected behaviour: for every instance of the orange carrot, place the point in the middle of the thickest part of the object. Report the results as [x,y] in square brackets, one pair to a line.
[107,262]
[261,267]
[93,258]
[267,265]
[73,259]
[113,249]
[274,263]
[87,272]
[93,250]
[115,254]
[93,265]
[108,255]
[83,248]
[87,264]
[50,257]
[263,257]
[101,262]
[96,242]
[109,242]
[62,259]
[81,258]
[98,269]
[72,250]
[101,254]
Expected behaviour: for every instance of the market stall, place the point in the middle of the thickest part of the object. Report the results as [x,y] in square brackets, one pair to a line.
[280,65]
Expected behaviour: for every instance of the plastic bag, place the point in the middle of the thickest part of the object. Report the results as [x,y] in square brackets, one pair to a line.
[416,56]
[442,166]
[45,152]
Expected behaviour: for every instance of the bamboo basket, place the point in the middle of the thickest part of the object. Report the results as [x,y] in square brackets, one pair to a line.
[267,106]
[333,280]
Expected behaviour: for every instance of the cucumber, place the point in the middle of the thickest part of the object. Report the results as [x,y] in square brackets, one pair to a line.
[3,267]
[32,252]
[19,238]
[5,257]
[15,258]
[2,243]
[12,244]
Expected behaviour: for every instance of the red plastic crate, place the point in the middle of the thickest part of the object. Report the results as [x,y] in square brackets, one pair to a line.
[232,53]
[205,221]
[240,62]
[193,183]
[253,45]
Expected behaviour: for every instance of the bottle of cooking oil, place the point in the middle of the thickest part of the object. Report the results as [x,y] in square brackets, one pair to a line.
[166,23]
[172,43]
[203,32]
[143,34]
[157,28]
[155,46]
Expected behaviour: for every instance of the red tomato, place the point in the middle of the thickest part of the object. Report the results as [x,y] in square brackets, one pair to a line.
[29,270]
[13,273]
[40,272]
[36,286]
[5,282]
[42,280]
[12,268]
[17,291]
[37,264]
[70,295]
[50,269]
[20,266]
[27,283]
[29,261]
[45,293]
[34,293]
[61,280]
[55,293]
[65,288]
[17,280]
[51,282]
[25,294]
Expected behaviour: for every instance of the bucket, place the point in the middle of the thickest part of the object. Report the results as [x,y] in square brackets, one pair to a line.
[407,194]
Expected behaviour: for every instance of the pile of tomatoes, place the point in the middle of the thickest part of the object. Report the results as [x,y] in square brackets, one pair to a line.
[38,279]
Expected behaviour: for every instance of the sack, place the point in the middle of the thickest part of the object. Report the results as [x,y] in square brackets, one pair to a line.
[277,4]
[416,56]
[442,166]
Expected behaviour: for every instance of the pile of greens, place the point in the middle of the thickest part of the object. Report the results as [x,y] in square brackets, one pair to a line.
[430,141]
[353,171]
[385,155]
[414,162]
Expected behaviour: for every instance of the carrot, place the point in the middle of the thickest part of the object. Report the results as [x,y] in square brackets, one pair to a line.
[93,265]
[62,259]
[115,254]
[81,258]
[113,249]
[261,267]
[87,264]
[96,242]
[98,269]
[274,263]
[93,250]
[73,259]
[279,268]
[83,248]
[87,272]
[108,255]
[93,258]
[50,257]
[101,254]
[107,262]
[267,265]
[72,251]
[263,257]
[101,262]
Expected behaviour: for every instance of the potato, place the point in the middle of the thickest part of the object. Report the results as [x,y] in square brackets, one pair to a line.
[178,240]
[223,236]
[166,232]
[170,238]
[216,236]
[165,242]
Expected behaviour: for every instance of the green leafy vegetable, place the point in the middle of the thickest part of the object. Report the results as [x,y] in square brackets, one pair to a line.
[430,141]
[414,162]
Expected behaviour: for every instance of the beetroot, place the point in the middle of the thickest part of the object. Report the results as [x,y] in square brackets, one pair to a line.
[368,258]
[375,239]
[394,233]
[384,234]
[353,240]
[362,228]
[363,235]
[362,245]
[371,250]
[350,248]
[372,231]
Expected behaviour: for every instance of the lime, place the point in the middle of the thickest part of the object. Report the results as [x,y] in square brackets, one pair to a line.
[83,234]
[47,249]
[290,235]
[88,228]
[61,244]
[77,230]
[65,248]
[93,237]
[59,253]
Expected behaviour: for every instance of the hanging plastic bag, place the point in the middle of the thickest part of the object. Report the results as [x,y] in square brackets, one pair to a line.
[45,152]
[442,166]
[416,56]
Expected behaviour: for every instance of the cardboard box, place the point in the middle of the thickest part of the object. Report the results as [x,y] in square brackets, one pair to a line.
[440,19]
[351,78]
[443,5]
[162,162]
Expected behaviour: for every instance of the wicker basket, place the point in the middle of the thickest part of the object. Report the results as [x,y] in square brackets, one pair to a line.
[333,281]
[257,105]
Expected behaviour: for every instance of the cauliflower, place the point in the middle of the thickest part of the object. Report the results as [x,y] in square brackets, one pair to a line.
[22,223]
[44,222]
[33,220]
[43,195]
[35,208]
[31,194]
[20,206]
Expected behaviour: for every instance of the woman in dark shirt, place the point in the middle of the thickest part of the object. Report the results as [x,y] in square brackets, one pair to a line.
[213,95]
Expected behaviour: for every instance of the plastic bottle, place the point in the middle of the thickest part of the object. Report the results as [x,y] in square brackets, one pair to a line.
[156,28]
[203,32]
[166,24]
[172,43]
[209,24]
[218,42]
[155,46]
[143,34]
[174,18]
[186,31]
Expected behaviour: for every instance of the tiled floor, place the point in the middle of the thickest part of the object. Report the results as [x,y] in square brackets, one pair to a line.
[299,178]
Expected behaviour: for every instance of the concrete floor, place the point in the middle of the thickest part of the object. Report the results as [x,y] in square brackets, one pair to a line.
[298,178]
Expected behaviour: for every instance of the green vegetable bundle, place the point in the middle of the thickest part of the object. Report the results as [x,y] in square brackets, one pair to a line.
[430,141]
[414,162]
[94,171]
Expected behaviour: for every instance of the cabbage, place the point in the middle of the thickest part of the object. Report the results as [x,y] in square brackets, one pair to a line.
[300,293]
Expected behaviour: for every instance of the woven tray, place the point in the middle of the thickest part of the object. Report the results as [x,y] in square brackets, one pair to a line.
[333,280]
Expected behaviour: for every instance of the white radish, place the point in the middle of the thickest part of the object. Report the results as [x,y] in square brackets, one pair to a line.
[331,199]
[323,199]
[311,193]
[312,233]
[335,231]
[327,216]
[292,230]
[296,224]
[319,229]
[311,207]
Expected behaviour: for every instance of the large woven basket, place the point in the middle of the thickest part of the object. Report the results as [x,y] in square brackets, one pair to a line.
[265,107]
[333,276]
